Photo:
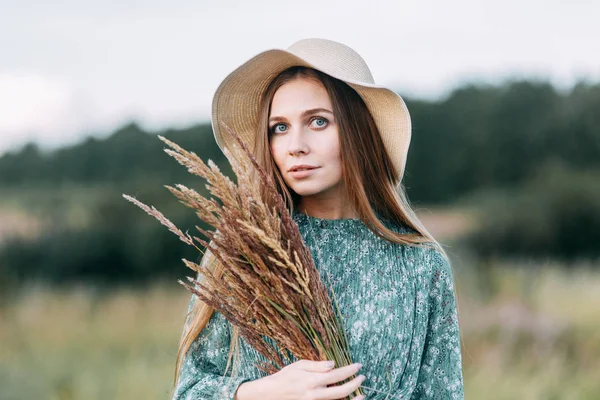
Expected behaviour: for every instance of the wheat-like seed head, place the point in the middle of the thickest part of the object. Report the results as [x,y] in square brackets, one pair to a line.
[269,285]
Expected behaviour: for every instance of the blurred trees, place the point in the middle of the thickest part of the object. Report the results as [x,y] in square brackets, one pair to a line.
[526,156]
[477,137]
[129,154]
[554,215]
[489,136]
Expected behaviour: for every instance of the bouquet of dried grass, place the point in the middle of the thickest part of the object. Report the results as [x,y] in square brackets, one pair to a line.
[270,286]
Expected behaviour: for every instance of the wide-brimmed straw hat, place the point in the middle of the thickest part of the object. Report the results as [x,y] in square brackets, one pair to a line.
[237,99]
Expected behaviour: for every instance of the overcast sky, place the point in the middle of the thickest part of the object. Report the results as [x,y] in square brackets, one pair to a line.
[69,69]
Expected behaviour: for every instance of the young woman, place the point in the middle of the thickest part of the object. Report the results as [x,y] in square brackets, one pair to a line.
[336,144]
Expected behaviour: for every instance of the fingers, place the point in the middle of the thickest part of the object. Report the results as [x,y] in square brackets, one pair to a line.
[340,392]
[339,374]
[313,366]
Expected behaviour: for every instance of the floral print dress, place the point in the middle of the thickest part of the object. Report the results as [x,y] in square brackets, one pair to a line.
[399,310]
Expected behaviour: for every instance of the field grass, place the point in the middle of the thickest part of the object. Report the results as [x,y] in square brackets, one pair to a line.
[82,344]
[535,334]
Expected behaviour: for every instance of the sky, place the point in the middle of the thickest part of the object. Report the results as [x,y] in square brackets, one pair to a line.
[71,69]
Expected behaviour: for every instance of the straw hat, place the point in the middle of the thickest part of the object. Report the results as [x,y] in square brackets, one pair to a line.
[237,99]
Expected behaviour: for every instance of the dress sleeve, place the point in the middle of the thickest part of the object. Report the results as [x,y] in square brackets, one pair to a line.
[440,374]
[202,371]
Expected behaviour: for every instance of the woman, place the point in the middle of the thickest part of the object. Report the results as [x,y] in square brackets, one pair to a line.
[336,144]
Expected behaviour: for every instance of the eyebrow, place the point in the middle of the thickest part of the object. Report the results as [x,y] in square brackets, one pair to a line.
[304,114]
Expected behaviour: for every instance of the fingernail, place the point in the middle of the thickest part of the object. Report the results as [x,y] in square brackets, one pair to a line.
[358,366]
[329,364]
[361,397]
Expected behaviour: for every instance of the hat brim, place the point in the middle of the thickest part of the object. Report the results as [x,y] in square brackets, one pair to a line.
[236,103]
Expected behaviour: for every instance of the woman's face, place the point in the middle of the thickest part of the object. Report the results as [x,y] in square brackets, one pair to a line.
[304,138]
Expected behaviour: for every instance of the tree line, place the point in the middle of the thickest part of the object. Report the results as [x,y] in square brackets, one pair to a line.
[526,155]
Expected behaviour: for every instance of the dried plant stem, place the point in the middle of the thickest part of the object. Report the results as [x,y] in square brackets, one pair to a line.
[269,286]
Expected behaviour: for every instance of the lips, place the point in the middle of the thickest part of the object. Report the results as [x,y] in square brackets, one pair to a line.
[302,171]
[297,168]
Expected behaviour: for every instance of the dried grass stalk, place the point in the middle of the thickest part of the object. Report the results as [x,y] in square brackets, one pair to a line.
[270,286]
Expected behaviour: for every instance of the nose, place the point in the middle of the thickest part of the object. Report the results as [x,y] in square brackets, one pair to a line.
[297,143]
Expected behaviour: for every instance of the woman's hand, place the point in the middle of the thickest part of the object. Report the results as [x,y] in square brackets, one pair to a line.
[303,380]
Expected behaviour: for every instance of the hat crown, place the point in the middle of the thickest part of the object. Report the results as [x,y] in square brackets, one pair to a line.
[334,59]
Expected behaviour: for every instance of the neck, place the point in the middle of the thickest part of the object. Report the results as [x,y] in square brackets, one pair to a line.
[334,207]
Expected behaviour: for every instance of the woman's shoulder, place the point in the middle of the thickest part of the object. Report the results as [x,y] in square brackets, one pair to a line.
[428,257]
[431,264]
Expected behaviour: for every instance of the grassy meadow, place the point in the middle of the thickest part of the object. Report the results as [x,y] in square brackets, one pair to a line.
[530,335]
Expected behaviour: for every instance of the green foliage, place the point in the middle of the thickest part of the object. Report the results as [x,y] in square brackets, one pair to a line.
[91,233]
[116,242]
[129,154]
[554,214]
[483,136]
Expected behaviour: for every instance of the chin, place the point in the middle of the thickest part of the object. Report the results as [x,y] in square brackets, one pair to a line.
[308,188]
[303,191]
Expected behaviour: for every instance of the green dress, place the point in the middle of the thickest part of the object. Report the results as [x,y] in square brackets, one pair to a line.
[399,311]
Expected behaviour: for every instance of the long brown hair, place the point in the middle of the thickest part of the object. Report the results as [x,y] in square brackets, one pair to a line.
[373,186]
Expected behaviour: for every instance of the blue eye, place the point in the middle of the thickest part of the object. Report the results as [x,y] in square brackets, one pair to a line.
[320,122]
[275,130]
